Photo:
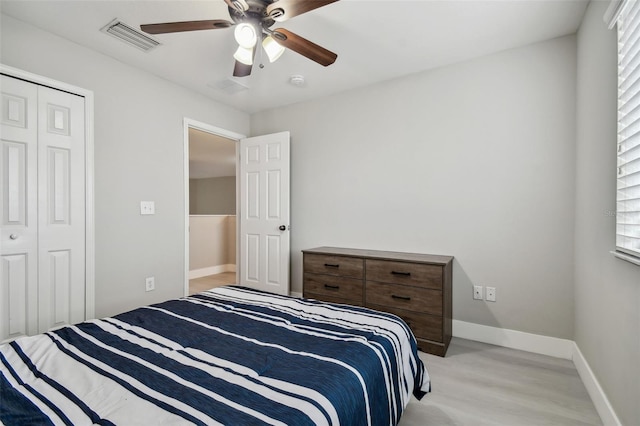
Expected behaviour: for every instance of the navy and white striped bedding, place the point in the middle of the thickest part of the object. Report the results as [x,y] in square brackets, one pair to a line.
[230,356]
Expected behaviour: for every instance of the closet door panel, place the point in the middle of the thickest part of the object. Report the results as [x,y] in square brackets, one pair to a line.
[14,293]
[18,215]
[61,207]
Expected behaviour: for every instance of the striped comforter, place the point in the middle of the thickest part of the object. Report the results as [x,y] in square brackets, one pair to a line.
[230,356]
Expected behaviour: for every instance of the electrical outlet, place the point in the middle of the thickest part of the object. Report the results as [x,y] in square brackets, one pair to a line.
[150,283]
[491,294]
[147,207]
[477,292]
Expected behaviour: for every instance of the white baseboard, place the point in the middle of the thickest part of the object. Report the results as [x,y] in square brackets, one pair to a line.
[211,270]
[544,345]
[295,294]
[599,398]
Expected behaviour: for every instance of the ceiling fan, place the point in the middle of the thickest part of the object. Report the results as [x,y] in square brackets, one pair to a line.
[253,20]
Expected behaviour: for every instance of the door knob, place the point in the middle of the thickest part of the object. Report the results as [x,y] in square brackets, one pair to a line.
[13,236]
[282,228]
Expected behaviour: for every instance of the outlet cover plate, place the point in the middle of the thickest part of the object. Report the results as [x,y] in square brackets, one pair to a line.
[150,283]
[477,292]
[147,207]
[491,294]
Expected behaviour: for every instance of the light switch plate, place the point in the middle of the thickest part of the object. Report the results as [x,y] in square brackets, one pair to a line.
[147,207]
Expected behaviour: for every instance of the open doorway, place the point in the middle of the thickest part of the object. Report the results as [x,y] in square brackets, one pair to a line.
[211,207]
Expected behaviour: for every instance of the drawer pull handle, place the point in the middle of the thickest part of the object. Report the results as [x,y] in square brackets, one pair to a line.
[332,265]
[332,287]
[400,297]
[404,274]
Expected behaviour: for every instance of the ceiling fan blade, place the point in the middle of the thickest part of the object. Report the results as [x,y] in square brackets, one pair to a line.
[304,47]
[281,10]
[176,27]
[241,70]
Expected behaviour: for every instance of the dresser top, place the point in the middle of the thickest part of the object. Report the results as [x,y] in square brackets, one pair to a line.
[383,255]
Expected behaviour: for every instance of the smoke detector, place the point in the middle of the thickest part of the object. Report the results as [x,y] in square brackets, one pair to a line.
[297,80]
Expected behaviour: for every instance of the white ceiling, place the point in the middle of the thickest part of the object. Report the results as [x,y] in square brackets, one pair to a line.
[375,40]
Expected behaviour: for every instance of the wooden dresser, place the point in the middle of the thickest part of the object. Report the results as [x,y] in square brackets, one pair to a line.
[416,287]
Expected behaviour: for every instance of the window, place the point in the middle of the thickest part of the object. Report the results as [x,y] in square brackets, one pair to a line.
[628,172]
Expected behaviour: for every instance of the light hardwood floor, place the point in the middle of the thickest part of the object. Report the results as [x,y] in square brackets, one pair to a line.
[478,384]
[197,285]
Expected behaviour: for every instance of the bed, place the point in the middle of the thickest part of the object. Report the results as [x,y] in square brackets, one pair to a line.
[231,355]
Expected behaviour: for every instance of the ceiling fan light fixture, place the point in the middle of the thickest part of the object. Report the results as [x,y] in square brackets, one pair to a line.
[252,22]
[272,48]
[244,55]
[245,35]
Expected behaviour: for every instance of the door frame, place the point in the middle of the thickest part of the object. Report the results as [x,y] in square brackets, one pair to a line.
[189,123]
[90,268]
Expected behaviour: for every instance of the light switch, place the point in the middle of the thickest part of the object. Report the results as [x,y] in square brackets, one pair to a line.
[147,207]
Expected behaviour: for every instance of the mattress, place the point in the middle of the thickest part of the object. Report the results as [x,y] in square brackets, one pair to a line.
[231,355]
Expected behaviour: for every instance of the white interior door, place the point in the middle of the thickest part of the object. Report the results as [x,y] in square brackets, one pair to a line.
[61,208]
[43,209]
[19,234]
[264,212]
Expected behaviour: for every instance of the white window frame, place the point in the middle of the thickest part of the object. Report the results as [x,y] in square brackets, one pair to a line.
[625,15]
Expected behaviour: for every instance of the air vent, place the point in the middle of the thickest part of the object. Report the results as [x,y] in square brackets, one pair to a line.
[129,35]
[230,86]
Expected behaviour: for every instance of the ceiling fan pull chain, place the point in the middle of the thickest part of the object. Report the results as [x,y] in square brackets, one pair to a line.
[260,48]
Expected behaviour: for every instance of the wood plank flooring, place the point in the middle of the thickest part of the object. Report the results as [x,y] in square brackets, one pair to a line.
[197,285]
[478,384]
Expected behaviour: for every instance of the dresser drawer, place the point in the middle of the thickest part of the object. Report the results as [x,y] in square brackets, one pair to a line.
[423,326]
[334,265]
[342,287]
[404,297]
[414,286]
[416,274]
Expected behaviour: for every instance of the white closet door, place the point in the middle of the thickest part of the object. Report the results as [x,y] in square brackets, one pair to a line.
[61,208]
[43,209]
[19,215]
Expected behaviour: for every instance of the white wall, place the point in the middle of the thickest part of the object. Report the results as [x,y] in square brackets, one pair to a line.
[474,160]
[212,244]
[607,289]
[138,156]
[213,195]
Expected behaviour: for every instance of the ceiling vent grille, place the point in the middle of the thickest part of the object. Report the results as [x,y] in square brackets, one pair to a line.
[230,86]
[129,35]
